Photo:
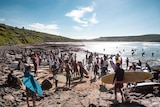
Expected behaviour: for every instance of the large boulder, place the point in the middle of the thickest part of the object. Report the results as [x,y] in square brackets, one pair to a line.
[9,97]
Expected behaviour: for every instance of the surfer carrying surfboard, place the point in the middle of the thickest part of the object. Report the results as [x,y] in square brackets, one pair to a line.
[29,93]
[118,80]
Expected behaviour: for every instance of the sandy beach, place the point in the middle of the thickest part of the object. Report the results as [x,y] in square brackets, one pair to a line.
[86,92]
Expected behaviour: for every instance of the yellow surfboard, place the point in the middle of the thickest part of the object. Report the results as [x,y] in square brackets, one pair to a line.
[129,77]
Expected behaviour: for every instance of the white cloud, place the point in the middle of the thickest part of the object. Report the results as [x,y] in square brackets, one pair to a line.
[77,28]
[78,16]
[51,28]
[42,26]
[93,19]
[2,19]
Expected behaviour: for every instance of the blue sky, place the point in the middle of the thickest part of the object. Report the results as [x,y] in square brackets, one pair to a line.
[83,19]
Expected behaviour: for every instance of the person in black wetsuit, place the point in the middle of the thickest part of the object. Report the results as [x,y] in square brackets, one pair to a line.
[12,79]
[148,67]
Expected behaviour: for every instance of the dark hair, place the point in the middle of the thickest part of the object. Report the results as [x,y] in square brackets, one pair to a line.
[11,71]
[28,68]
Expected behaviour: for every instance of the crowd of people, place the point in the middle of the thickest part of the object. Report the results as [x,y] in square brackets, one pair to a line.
[65,62]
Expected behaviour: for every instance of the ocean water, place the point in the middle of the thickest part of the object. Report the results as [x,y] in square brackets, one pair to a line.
[125,49]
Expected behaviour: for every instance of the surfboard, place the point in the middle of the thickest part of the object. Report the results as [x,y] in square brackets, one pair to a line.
[147,84]
[82,68]
[84,71]
[60,77]
[138,67]
[113,65]
[145,70]
[129,77]
[32,84]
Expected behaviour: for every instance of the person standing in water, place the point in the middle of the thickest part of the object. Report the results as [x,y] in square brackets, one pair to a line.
[148,67]
[118,81]
[127,62]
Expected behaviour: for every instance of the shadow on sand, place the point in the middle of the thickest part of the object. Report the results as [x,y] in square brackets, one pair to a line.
[117,104]
[6,85]
[104,89]
[75,83]
[125,104]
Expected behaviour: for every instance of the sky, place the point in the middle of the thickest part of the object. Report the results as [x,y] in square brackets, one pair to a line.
[83,19]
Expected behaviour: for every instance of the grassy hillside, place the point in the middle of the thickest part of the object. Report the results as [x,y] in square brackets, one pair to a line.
[12,35]
[142,38]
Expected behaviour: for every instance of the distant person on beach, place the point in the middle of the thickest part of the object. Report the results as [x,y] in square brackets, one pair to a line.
[29,93]
[148,67]
[75,68]
[90,58]
[118,81]
[143,53]
[12,79]
[97,59]
[81,69]
[35,64]
[139,63]
[117,58]
[21,66]
[54,71]
[75,56]
[68,74]
[86,56]
[133,51]
[127,62]
[104,66]
[121,61]
[133,67]
[96,68]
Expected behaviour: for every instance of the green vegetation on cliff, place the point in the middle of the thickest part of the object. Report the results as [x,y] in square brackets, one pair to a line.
[12,35]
